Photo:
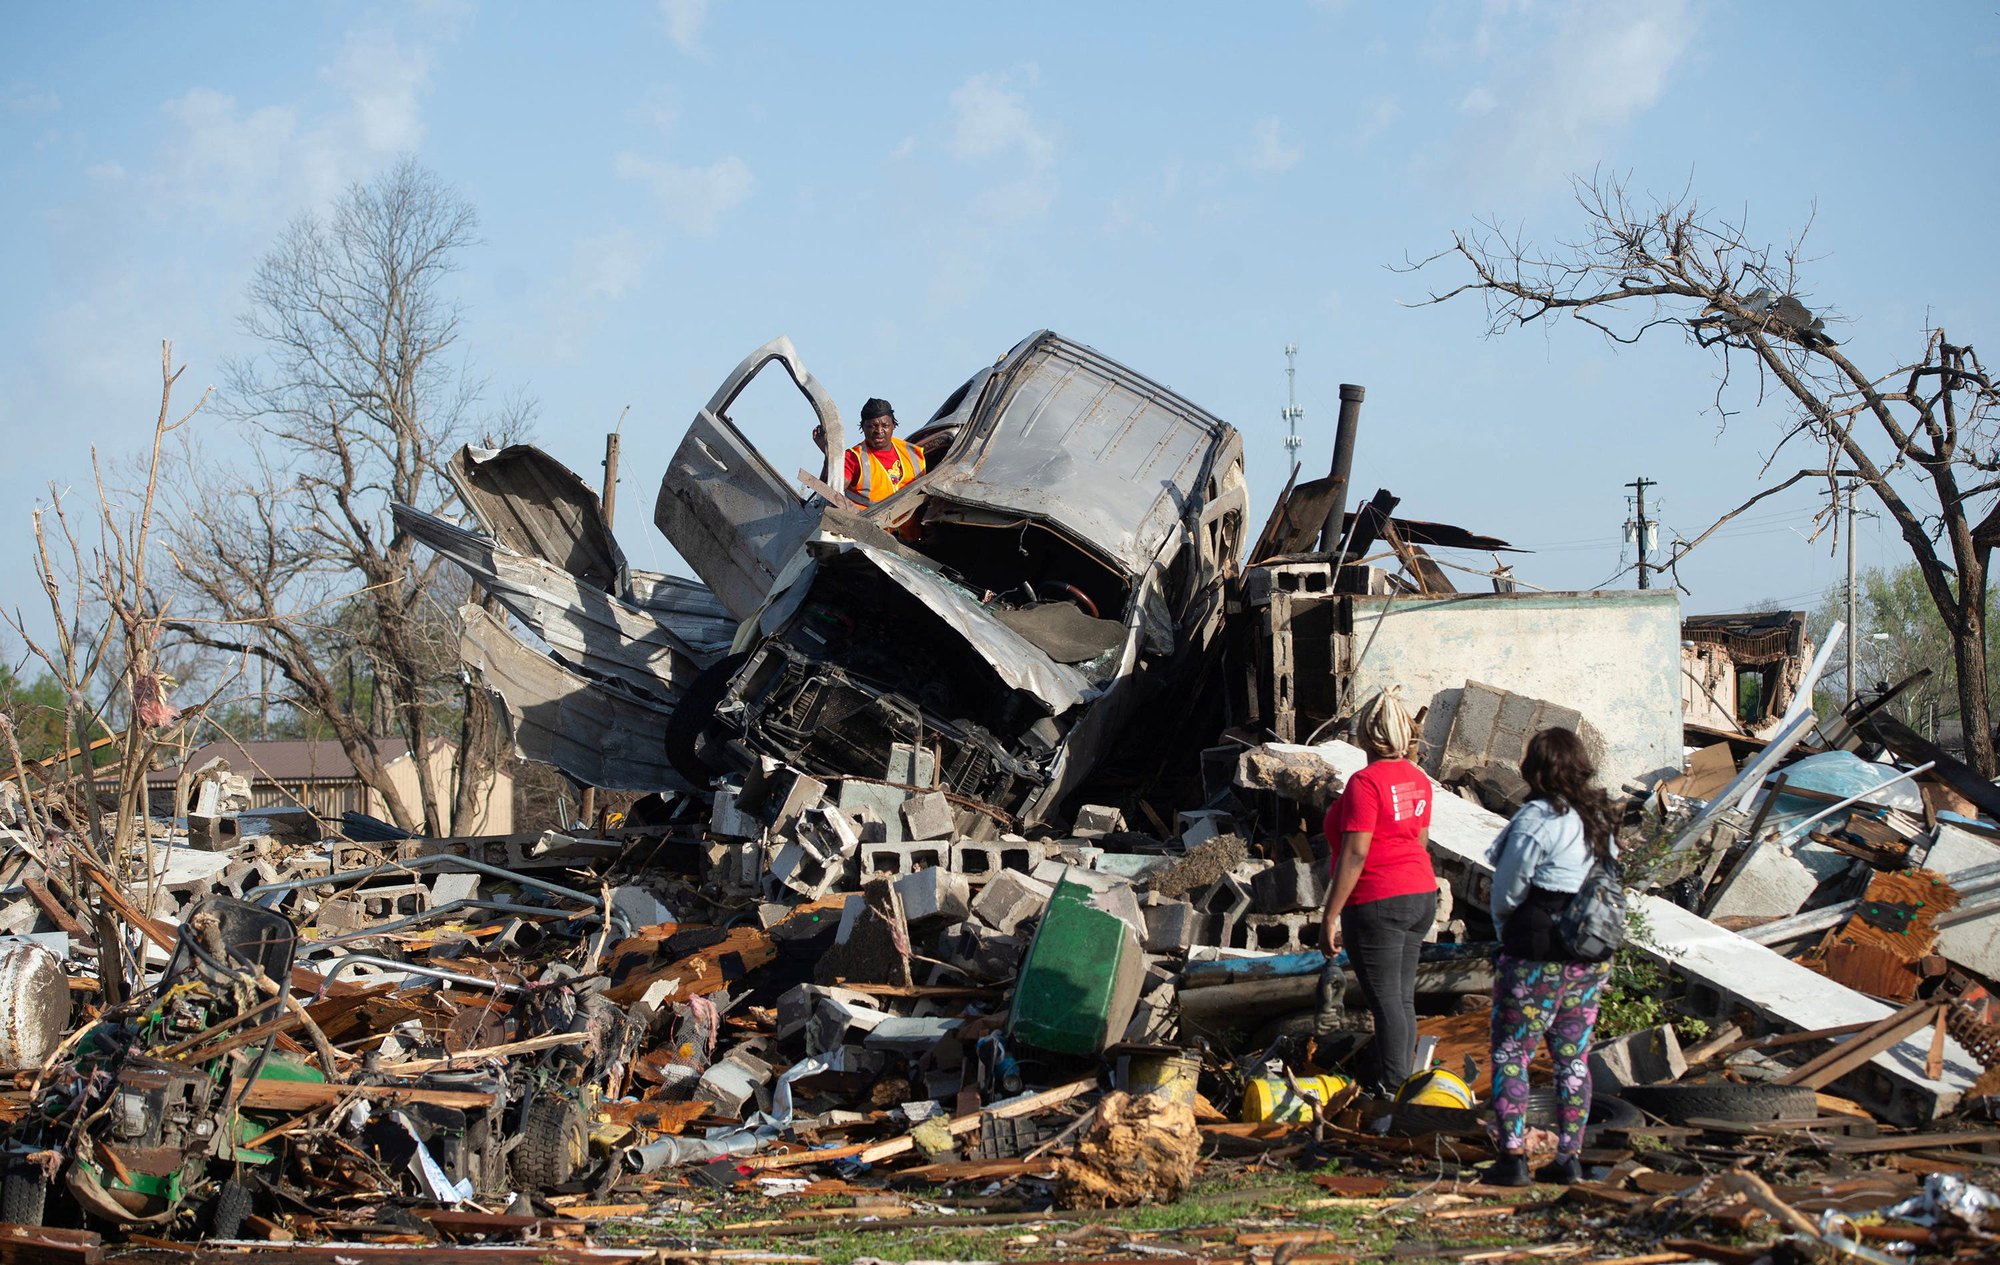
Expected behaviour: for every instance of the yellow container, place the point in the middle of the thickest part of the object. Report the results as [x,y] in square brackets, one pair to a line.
[1436,1088]
[1269,1098]
[1170,1073]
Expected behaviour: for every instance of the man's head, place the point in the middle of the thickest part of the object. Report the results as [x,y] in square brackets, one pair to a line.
[878,422]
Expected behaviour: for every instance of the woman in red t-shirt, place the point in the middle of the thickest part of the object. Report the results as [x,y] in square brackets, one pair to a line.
[1383,898]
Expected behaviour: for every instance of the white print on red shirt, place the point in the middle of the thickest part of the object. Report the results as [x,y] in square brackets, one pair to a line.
[1407,800]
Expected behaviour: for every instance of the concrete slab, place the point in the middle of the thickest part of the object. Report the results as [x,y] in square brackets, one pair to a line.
[1768,882]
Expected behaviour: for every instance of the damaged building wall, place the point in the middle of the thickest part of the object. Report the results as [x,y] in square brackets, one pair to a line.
[1740,672]
[1613,656]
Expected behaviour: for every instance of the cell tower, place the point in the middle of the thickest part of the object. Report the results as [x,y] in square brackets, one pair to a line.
[1292,412]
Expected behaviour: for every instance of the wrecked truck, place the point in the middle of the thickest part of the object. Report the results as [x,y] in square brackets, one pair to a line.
[1059,568]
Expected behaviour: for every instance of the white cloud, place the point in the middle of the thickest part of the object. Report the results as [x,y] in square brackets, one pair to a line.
[693,199]
[383,82]
[990,120]
[607,265]
[991,125]
[684,20]
[1267,151]
[22,99]
[1376,117]
[660,109]
[603,268]
[1563,84]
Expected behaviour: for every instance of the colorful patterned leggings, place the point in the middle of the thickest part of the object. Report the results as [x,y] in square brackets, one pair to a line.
[1531,999]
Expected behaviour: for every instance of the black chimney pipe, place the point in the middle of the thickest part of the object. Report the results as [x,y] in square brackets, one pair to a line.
[1343,463]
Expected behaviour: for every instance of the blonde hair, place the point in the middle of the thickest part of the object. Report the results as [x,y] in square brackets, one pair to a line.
[1384,725]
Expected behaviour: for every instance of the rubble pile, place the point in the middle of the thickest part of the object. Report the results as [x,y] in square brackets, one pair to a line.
[899,917]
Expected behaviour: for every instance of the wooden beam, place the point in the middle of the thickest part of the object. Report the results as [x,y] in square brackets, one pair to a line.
[266,1094]
[1822,1071]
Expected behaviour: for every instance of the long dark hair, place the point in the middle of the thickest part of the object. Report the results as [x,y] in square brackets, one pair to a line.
[1559,772]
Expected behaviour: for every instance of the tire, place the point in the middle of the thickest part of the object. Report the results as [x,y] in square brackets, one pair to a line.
[554,1143]
[232,1209]
[24,1195]
[691,715]
[1677,1104]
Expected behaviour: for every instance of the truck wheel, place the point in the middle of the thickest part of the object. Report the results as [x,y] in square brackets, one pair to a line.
[554,1143]
[1679,1103]
[24,1195]
[232,1209]
[693,712]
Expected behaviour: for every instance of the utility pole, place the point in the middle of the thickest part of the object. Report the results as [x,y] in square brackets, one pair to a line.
[587,808]
[1853,625]
[1641,530]
[1292,413]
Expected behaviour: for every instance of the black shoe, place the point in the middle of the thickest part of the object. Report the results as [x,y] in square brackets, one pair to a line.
[1510,1169]
[1564,1170]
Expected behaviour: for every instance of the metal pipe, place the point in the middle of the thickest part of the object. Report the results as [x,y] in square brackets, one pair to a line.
[435,861]
[1343,462]
[409,968]
[499,906]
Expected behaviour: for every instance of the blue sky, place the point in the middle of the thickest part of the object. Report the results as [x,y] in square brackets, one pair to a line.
[906,190]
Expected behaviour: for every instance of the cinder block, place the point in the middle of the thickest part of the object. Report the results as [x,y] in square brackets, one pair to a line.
[796,867]
[367,906]
[446,888]
[996,955]
[912,765]
[803,792]
[1009,900]
[933,895]
[885,802]
[1154,1020]
[1056,870]
[1202,825]
[1094,821]
[828,833]
[726,821]
[733,1085]
[1637,1058]
[735,867]
[1171,926]
[893,860]
[1288,887]
[981,861]
[928,816]
[1276,933]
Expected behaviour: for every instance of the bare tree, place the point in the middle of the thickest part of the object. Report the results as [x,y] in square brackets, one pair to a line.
[1919,436]
[352,400]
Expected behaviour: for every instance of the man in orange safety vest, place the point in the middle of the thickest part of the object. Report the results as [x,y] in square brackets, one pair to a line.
[880,463]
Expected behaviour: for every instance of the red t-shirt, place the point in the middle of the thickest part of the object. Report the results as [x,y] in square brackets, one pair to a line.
[1391,799]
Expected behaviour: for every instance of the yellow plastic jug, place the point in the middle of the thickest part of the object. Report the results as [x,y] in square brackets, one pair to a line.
[1436,1088]
[1270,1098]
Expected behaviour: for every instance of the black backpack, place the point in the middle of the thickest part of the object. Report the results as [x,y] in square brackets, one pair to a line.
[1592,925]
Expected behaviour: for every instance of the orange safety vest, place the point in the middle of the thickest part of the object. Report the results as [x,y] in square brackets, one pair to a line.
[872,482]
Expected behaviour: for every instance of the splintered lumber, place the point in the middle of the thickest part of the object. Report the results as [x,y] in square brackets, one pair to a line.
[873,1152]
[1830,1066]
[266,1094]
[702,972]
[46,1245]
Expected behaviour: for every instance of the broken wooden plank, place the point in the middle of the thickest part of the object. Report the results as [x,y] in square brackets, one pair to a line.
[266,1094]
[1824,1069]
[1913,748]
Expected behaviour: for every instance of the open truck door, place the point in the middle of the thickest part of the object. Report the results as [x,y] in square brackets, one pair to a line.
[724,507]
